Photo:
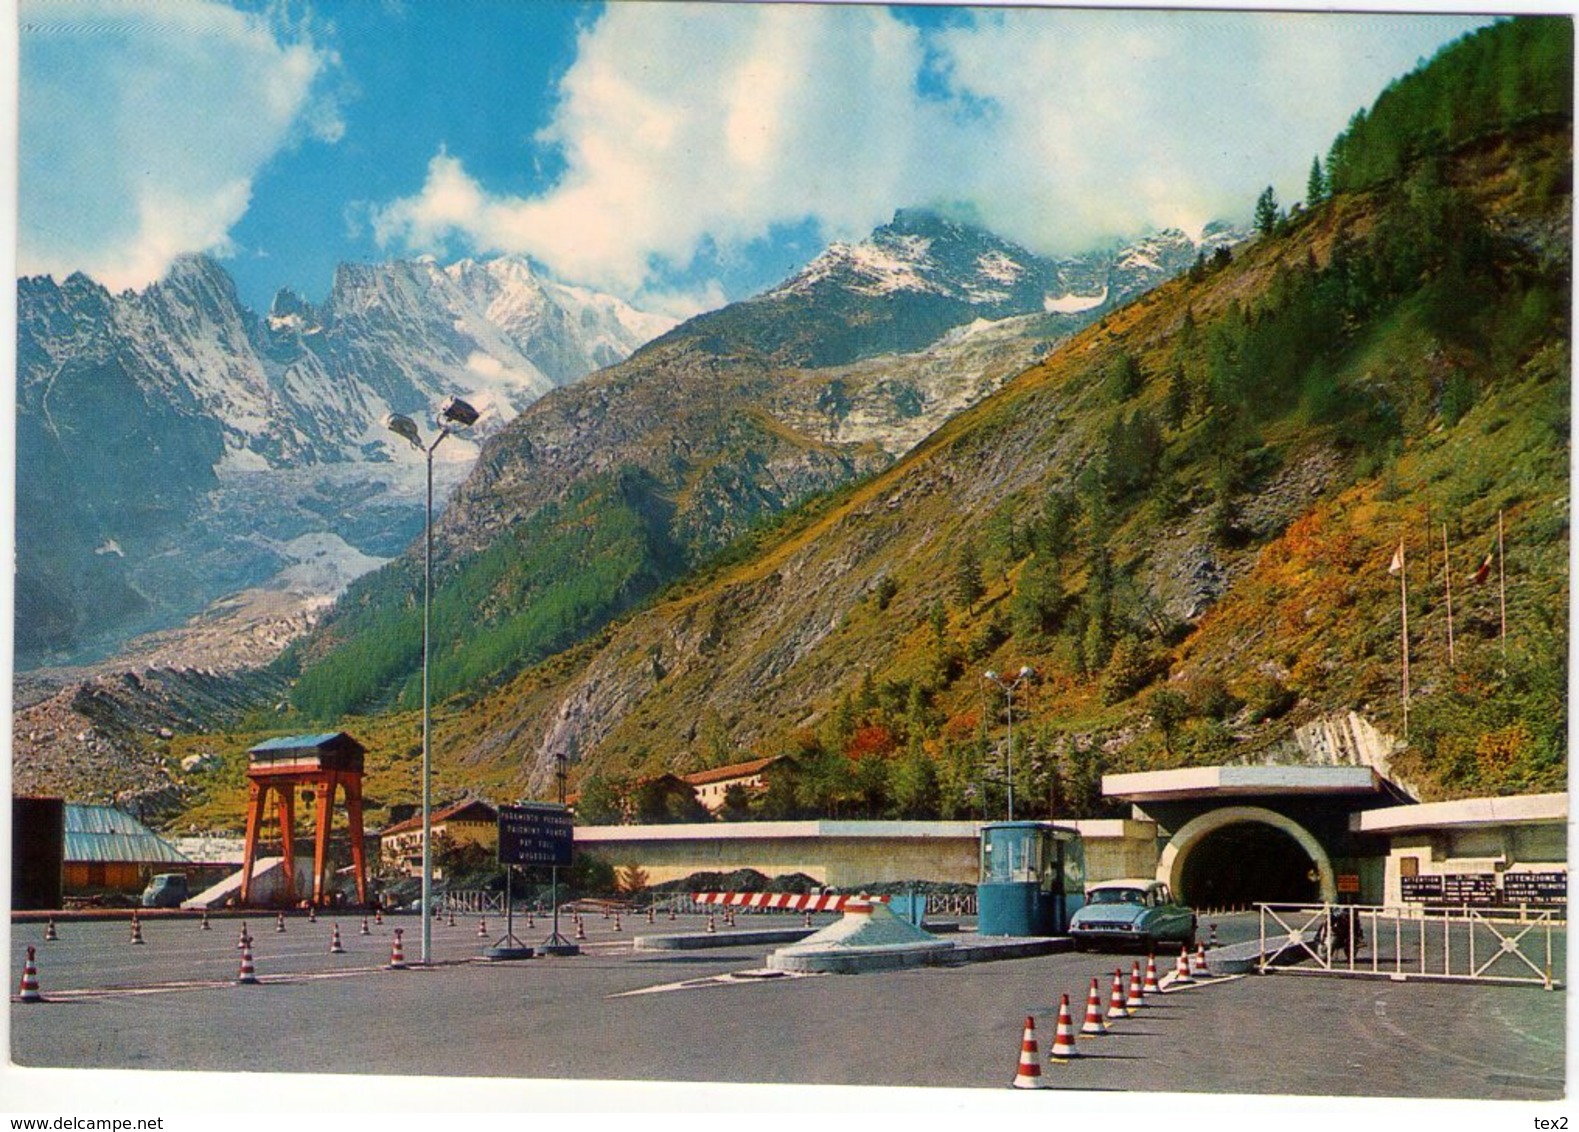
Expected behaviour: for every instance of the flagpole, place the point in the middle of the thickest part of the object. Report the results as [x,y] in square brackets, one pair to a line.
[1403,602]
[1502,590]
[1447,573]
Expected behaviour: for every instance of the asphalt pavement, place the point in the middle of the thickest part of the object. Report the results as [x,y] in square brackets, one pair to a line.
[711,1016]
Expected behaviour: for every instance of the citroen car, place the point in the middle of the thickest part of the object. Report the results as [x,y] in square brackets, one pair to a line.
[1133,914]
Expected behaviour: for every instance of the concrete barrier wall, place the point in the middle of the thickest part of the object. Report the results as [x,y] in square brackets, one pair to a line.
[846,854]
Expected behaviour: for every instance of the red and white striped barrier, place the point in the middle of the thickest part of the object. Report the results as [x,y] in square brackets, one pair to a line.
[786,901]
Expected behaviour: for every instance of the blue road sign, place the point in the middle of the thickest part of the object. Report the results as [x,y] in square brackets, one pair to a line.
[538,833]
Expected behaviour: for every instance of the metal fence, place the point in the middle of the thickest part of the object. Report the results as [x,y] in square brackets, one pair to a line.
[473,900]
[1413,942]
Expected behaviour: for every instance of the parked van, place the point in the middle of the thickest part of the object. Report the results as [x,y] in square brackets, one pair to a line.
[166,890]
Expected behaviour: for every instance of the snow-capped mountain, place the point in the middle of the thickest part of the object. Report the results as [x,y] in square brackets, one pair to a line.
[134,409]
[922,275]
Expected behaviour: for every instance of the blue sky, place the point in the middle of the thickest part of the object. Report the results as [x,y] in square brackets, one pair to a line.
[678,155]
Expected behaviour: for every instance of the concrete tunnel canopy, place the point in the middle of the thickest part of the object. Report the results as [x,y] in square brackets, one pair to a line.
[1309,806]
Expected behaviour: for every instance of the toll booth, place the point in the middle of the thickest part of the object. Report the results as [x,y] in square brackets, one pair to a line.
[1032,878]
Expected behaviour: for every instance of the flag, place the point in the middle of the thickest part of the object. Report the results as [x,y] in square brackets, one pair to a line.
[1484,570]
[1397,565]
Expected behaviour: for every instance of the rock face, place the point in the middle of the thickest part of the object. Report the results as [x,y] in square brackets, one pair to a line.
[148,420]
[101,739]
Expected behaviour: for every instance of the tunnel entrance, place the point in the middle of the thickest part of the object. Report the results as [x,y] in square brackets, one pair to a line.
[1246,862]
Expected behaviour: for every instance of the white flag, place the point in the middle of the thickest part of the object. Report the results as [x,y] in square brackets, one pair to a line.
[1398,561]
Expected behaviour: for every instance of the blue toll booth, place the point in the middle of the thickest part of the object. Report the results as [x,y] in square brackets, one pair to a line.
[1032,878]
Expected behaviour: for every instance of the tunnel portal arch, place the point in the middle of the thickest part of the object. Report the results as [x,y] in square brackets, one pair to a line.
[1170,866]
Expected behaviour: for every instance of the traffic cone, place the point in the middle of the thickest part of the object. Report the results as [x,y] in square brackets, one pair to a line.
[378,916]
[617,922]
[137,930]
[1151,986]
[243,939]
[1137,996]
[1029,1075]
[651,915]
[30,992]
[312,914]
[1094,1024]
[206,928]
[605,911]
[806,920]
[1181,973]
[49,931]
[1064,1039]
[1200,960]
[482,928]
[581,931]
[672,916]
[397,954]
[279,922]
[365,929]
[1115,1002]
[1211,936]
[248,975]
[450,923]
[711,927]
[529,923]
[335,947]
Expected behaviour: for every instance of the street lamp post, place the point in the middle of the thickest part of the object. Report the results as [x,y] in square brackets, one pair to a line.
[1008,687]
[454,412]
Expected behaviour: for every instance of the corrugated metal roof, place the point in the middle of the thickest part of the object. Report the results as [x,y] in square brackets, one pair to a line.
[103,833]
[298,742]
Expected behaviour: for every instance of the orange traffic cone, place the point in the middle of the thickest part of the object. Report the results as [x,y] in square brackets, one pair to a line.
[312,914]
[248,975]
[1029,1075]
[617,922]
[581,931]
[711,927]
[137,930]
[1151,986]
[1211,938]
[206,928]
[378,916]
[243,939]
[1094,1024]
[335,947]
[49,931]
[1200,960]
[1137,996]
[651,915]
[30,992]
[450,923]
[482,927]
[397,954]
[279,922]
[1115,1002]
[1181,973]
[1064,1040]
[365,929]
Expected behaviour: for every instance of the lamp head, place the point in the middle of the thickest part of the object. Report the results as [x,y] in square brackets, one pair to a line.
[403,426]
[458,412]
[1027,671]
[989,675]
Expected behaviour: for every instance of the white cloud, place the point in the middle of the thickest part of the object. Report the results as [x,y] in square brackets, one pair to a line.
[143,127]
[685,127]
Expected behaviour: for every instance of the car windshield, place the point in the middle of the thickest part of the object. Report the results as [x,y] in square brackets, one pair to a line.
[1117,896]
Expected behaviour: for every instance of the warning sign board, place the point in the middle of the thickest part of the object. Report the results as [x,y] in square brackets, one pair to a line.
[537,833]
